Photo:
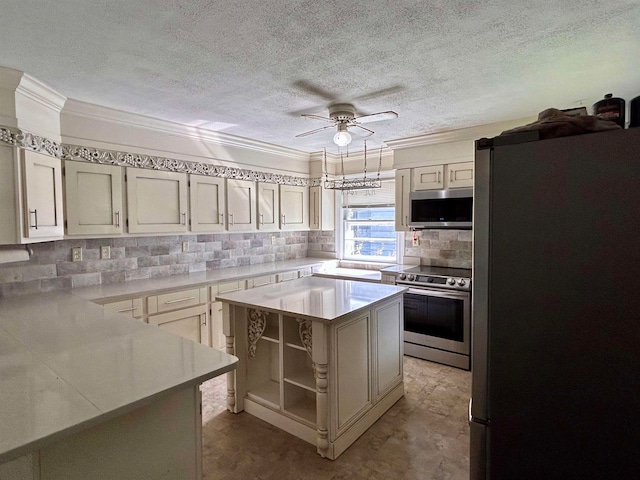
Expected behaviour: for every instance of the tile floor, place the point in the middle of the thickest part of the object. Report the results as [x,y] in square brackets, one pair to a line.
[424,436]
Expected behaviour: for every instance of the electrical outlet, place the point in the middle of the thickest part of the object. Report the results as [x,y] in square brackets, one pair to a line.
[416,242]
[185,246]
[273,239]
[105,252]
[76,254]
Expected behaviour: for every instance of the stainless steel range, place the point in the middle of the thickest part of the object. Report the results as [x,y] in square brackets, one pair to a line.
[437,314]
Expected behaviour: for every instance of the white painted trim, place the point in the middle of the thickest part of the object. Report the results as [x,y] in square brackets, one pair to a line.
[471,133]
[41,93]
[80,109]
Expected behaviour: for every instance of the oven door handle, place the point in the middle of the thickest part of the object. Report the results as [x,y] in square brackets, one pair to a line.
[439,293]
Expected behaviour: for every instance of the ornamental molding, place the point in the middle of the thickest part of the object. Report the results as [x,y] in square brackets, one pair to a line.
[28,141]
[256,325]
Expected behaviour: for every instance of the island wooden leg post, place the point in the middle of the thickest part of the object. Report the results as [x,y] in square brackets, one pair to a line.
[321,387]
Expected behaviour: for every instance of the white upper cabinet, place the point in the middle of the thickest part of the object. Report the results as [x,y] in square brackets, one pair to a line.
[460,175]
[207,203]
[321,208]
[30,197]
[294,207]
[42,183]
[241,205]
[428,178]
[93,195]
[156,201]
[434,177]
[268,206]
[403,186]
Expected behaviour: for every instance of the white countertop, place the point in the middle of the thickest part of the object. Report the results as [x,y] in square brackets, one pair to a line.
[119,291]
[315,298]
[350,274]
[66,364]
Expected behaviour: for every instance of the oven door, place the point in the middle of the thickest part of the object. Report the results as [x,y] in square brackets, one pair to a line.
[438,319]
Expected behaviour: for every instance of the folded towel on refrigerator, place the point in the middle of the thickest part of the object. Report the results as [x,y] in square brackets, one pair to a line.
[554,123]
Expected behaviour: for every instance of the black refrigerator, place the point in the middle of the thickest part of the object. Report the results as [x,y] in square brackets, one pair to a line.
[556,308]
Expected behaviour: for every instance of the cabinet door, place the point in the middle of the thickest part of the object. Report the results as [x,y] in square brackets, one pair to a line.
[403,185]
[294,207]
[315,207]
[93,194]
[218,339]
[241,205]
[207,203]
[43,195]
[460,175]
[187,323]
[156,201]
[428,178]
[268,206]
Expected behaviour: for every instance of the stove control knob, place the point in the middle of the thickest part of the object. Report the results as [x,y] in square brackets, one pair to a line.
[412,277]
[451,281]
[402,276]
[461,282]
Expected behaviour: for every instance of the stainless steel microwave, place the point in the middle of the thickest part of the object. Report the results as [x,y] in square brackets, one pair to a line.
[450,208]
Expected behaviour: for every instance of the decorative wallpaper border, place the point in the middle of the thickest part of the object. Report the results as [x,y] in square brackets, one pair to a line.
[16,137]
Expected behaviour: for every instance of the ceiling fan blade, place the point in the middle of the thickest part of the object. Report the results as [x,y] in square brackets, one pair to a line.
[308,87]
[318,117]
[380,93]
[360,130]
[377,117]
[313,131]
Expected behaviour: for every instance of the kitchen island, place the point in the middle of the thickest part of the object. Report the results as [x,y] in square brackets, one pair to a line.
[85,393]
[319,358]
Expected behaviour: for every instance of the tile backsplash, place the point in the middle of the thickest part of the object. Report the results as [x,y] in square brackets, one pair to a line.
[132,258]
[442,248]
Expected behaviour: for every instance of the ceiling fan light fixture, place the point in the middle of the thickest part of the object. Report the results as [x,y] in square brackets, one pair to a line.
[342,138]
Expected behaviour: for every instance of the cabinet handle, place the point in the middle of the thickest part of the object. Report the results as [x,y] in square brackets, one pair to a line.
[221,218]
[117,215]
[184,218]
[450,175]
[35,216]
[231,218]
[186,299]
[261,219]
[204,319]
[283,220]
[438,177]
[127,310]
[406,220]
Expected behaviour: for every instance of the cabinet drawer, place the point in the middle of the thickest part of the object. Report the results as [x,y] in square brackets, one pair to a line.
[130,308]
[305,272]
[259,281]
[286,276]
[226,288]
[174,300]
[188,323]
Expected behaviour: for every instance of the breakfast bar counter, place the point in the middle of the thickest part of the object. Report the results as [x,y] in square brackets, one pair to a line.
[319,358]
[85,393]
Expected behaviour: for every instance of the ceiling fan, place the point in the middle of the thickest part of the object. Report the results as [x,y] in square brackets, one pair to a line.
[343,117]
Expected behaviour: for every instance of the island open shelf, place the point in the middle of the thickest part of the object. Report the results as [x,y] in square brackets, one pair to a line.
[320,359]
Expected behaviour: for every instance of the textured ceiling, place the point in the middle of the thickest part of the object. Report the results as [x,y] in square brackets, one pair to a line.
[250,68]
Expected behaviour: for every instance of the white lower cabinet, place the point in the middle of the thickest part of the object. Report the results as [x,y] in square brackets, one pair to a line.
[218,340]
[131,308]
[183,313]
[261,280]
[325,383]
[156,201]
[93,198]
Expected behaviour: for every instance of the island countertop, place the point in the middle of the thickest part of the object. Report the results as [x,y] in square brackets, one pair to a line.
[67,364]
[314,298]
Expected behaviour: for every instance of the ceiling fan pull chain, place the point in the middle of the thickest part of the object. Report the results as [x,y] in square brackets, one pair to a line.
[326,170]
[380,163]
[365,160]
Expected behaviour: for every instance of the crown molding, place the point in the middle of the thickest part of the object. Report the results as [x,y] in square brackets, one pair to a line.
[32,88]
[98,112]
[471,133]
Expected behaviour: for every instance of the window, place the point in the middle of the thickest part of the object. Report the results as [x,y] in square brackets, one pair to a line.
[368,225]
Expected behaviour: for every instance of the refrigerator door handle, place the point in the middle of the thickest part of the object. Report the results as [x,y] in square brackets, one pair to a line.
[477,420]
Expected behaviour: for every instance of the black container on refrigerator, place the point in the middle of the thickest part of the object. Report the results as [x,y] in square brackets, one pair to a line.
[634,112]
[610,108]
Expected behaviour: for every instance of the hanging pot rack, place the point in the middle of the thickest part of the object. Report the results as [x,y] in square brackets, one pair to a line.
[352,183]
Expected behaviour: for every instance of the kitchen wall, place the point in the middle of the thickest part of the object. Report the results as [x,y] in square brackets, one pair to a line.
[322,243]
[442,248]
[132,258]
